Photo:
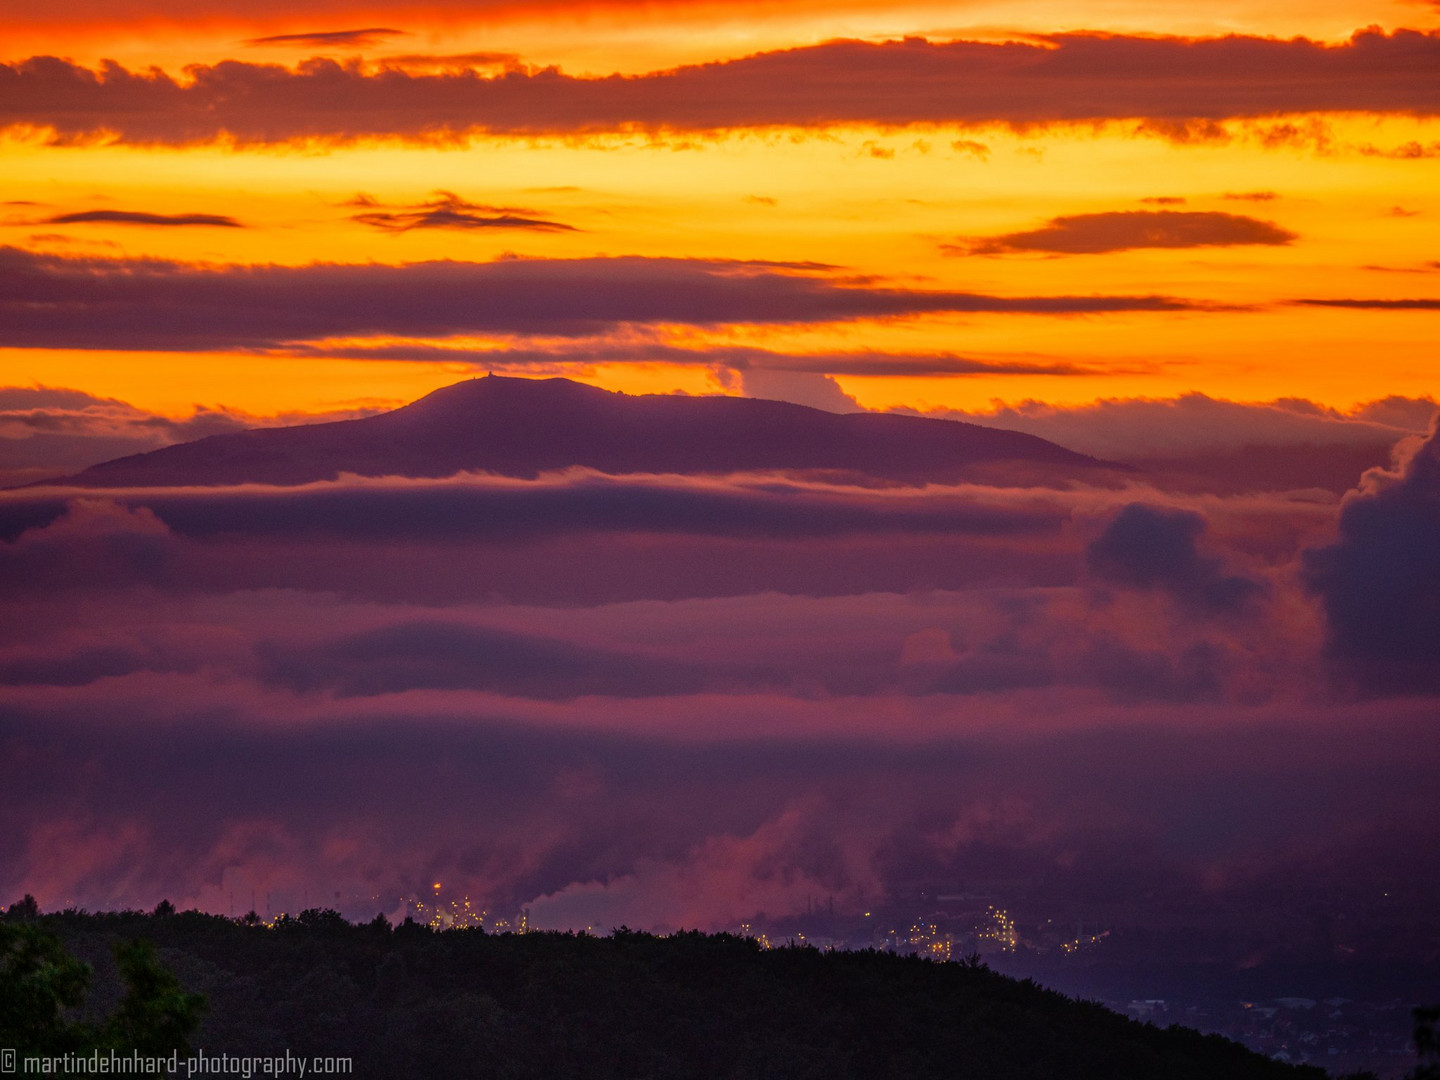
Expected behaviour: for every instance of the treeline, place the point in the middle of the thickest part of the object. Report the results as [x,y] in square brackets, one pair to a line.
[406,1002]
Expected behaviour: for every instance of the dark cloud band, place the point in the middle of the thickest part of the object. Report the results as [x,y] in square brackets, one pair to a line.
[484,510]
[57,302]
[1068,78]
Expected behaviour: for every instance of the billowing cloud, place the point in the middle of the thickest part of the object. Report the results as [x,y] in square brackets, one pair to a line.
[1070,77]
[1090,234]
[57,302]
[817,390]
[654,831]
[1413,415]
[87,544]
[862,610]
[139,217]
[1155,547]
[448,211]
[1379,581]
[631,541]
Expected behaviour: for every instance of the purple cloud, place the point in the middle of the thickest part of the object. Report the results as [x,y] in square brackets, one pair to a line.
[1093,234]
[57,302]
[1175,84]
[1379,581]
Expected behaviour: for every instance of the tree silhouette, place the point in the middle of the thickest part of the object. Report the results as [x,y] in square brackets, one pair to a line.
[42,986]
[1427,1043]
[39,981]
[157,1015]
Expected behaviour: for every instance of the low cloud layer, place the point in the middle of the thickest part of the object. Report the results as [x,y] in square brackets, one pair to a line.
[1206,443]
[511,814]
[1168,81]
[676,701]
[478,508]
[1127,428]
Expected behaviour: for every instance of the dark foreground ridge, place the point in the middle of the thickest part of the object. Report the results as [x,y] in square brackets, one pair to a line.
[523,427]
[410,1002]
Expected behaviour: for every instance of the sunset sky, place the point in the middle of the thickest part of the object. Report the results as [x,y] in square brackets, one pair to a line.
[1080,201]
[1202,241]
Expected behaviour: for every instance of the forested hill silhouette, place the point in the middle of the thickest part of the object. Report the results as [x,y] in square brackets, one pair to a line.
[523,427]
[407,1002]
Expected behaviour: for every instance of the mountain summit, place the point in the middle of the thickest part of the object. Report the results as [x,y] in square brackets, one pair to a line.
[523,427]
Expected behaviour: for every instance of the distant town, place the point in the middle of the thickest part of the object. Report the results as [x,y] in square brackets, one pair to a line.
[1325,983]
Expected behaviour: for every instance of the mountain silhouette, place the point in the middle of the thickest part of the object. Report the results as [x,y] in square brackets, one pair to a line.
[523,427]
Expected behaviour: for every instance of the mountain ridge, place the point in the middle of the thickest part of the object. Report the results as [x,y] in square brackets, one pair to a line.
[524,427]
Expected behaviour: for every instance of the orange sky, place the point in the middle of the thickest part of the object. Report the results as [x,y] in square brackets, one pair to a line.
[1248,210]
